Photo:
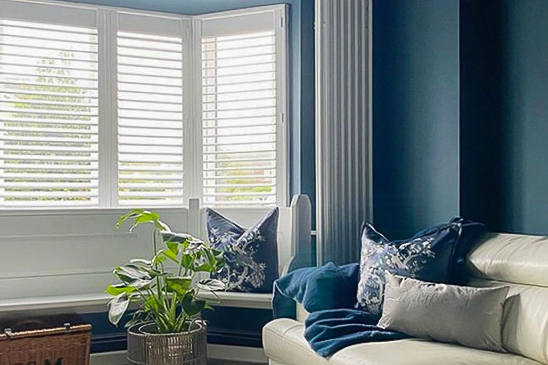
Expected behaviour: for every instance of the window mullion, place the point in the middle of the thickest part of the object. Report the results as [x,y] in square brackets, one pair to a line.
[108,132]
[194,140]
[188,107]
[282,125]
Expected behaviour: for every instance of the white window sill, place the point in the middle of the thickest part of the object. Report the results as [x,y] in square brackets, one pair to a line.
[238,300]
[82,303]
[89,303]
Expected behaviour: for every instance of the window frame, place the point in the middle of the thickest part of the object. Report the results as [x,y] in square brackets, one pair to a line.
[282,90]
[107,21]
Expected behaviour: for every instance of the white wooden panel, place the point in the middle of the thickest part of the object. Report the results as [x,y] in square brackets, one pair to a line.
[70,253]
[69,284]
[51,259]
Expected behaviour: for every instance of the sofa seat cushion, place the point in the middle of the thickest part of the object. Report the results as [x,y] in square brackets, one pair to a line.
[284,342]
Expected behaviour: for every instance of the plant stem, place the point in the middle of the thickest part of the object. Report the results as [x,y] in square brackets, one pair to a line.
[158,283]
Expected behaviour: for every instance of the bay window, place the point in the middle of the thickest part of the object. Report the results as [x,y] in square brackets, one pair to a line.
[107,107]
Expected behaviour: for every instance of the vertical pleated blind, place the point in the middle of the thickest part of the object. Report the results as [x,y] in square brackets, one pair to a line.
[48,114]
[150,119]
[343,128]
[239,107]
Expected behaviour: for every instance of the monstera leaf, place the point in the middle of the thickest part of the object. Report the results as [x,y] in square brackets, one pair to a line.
[211,285]
[117,307]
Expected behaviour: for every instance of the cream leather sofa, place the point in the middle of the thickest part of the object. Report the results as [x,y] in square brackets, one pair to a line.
[517,261]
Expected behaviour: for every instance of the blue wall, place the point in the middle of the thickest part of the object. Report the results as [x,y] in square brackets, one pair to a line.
[301,45]
[504,114]
[525,115]
[415,114]
[482,135]
[461,114]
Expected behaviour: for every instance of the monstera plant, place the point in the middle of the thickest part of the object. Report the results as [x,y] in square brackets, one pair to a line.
[164,286]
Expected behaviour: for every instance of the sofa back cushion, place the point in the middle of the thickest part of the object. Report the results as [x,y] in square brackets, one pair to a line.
[520,262]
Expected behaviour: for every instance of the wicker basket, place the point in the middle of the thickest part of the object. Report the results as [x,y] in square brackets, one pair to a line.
[187,348]
[67,345]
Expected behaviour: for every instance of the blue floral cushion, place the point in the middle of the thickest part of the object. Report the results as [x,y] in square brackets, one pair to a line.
[251,253]
[429,255]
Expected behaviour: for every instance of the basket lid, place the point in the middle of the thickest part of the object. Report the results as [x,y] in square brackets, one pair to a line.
[67,329]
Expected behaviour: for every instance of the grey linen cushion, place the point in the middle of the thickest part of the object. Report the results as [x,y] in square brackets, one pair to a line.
[448,313]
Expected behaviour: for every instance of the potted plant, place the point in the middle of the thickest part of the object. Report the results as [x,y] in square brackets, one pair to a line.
[166,328]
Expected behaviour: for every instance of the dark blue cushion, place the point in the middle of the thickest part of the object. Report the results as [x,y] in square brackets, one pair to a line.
[251,253]
[431,255]
[316,288]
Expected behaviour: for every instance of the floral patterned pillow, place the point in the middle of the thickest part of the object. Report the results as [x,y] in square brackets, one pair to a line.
[251,253]
[426,256]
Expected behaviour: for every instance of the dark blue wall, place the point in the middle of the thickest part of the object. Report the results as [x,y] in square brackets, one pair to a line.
[415,113]
[504,114]
[525,114]
[460,113]
[482,135]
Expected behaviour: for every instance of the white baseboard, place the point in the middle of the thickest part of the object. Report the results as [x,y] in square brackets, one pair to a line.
[237,353]
[109,358]
[217,352]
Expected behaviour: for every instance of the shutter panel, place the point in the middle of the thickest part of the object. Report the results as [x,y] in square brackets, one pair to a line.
[239,112]
[150,118]
[48,114]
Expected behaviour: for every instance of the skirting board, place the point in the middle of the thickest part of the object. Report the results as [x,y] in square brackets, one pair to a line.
[109,358]
[237,353]
[218,352]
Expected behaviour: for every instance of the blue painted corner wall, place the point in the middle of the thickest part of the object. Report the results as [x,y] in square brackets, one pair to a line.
[482,133]
[415,114]
[504,106]
[460,114]
[525,116]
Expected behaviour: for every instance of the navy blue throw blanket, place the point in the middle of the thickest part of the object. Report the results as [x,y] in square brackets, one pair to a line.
[329,331]
[316,288]
[328,293]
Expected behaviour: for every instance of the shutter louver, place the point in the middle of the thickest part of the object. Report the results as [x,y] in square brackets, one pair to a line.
[48,115]
[150,119]
[239,119]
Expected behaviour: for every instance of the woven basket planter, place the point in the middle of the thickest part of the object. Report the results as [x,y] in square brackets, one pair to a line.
[148,348]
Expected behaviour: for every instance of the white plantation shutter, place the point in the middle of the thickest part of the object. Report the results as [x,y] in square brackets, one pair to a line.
[150,111]
[106,107]
[48,114]
[241,110]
